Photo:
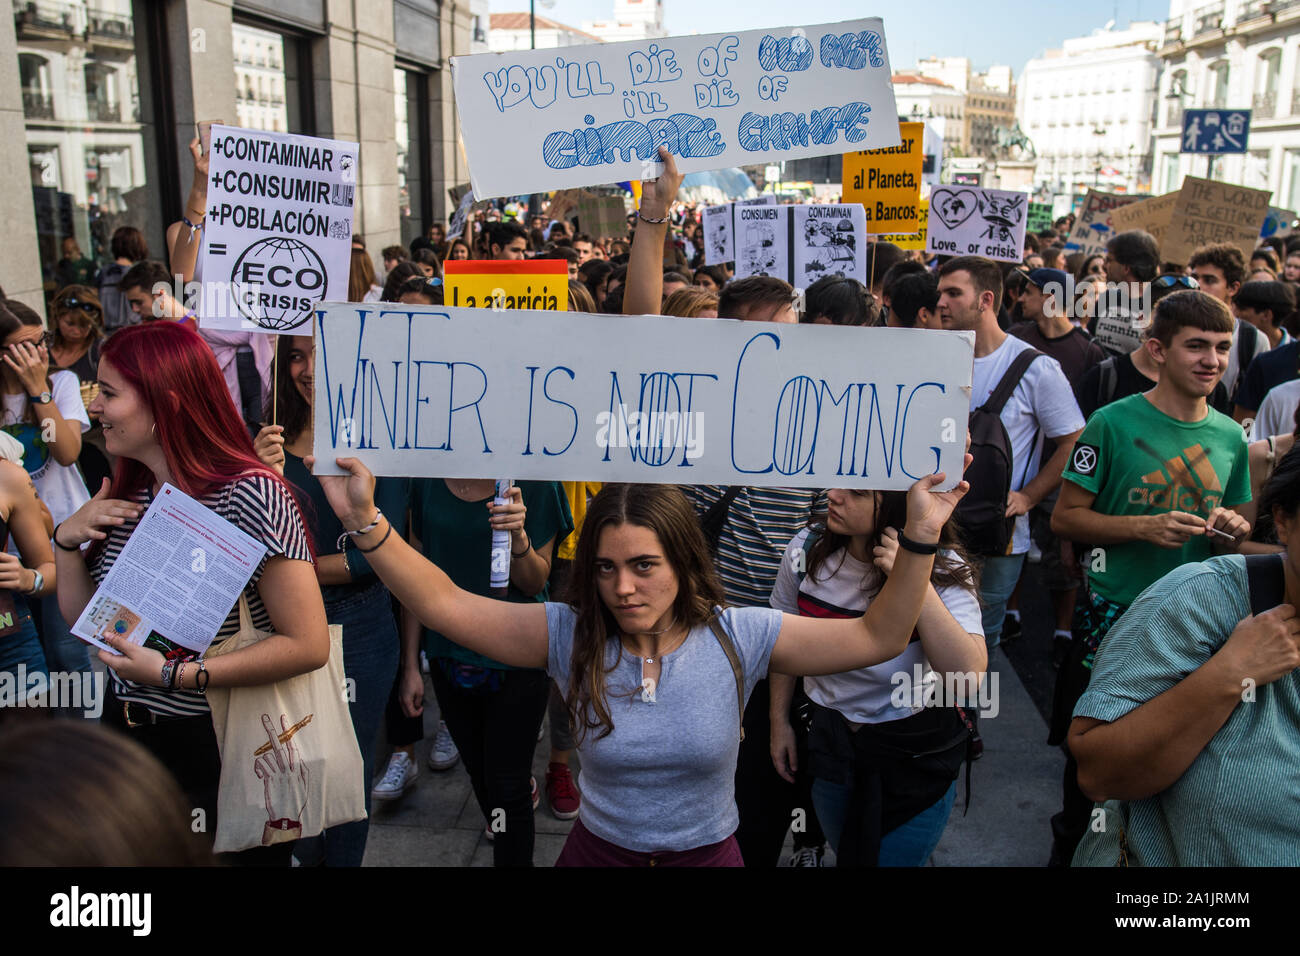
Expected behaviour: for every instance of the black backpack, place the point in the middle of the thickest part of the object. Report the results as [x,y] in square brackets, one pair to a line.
[981,514]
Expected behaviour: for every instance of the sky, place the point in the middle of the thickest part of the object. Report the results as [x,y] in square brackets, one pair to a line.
[1008,32]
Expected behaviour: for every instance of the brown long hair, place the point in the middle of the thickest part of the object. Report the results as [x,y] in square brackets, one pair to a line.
[952,566]
[664,510]
[361,275]
[77,794]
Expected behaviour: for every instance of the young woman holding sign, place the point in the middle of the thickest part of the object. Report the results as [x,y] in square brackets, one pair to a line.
[655,676]
[168,418]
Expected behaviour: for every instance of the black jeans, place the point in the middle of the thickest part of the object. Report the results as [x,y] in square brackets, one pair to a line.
[187,746]
[496,734]
[766,803]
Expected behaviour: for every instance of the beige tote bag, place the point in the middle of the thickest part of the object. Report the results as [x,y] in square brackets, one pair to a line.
[290,765]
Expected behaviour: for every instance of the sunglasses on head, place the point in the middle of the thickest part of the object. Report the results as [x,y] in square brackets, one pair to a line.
[1165,282]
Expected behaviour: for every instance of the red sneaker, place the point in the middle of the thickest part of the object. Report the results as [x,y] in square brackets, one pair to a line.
[560,792]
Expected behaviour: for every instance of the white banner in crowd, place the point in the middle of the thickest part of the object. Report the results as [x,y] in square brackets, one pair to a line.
[278,235]
[797,243]
[972,221]
[537,120]
[471,393]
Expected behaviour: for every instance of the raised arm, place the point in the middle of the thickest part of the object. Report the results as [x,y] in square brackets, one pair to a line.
[182,245]
[643,289]
[815,646]
[506,631]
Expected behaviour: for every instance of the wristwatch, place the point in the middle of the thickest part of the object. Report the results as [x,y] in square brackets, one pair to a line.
[40,581]
[42,399]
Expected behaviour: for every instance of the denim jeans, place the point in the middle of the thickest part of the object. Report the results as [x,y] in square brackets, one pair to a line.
[370,652]
[22,647]
[63,651]
[909,844]
[997,582]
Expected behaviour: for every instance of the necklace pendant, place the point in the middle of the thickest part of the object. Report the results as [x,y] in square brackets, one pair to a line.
[649,660]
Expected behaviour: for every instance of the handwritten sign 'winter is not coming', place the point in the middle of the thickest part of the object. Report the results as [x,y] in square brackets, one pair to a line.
[470,393]
[537,120]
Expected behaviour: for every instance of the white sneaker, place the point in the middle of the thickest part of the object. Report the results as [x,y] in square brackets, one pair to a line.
[443,755]
[398,778]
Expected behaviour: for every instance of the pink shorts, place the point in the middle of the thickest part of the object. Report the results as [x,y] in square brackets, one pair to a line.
[584,848]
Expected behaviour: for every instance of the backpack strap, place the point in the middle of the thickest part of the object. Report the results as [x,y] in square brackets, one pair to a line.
[1245,336]
[1109,371]
[715,519]
[1010,379]
[729,648]
[1266,580]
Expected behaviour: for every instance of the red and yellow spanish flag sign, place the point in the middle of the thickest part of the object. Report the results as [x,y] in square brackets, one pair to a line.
[507,284]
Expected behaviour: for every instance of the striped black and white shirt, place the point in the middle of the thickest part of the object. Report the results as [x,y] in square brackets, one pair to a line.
[259,506]
[760,523]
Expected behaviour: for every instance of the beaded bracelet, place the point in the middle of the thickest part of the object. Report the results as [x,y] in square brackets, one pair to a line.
[653,222]
[360,531]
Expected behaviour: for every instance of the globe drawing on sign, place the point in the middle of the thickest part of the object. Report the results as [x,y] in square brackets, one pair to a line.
[276,281]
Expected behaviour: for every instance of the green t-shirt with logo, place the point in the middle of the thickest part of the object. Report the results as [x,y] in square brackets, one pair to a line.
[1139,461]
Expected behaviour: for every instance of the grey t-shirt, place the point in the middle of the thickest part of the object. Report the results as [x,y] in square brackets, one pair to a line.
[664,779]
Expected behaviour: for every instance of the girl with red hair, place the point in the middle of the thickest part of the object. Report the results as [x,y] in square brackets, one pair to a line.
[168,417]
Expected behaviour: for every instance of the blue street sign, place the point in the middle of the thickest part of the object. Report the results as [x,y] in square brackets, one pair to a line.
[1212,132]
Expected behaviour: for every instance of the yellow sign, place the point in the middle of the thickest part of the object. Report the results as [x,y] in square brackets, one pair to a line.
[507,284]
[888,182]
[916,240]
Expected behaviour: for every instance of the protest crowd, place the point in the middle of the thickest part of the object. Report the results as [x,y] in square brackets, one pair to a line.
[1132,435]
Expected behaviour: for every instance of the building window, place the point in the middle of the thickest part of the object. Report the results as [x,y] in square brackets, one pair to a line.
[91,170]
[1267,73]
[411,111]
[1291,179]
[273,70]
[1170,175]
[1218,85]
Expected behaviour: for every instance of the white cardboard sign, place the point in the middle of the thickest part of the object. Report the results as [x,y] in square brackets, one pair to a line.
[278,235]
[537,120]
[973,221]
[471,393]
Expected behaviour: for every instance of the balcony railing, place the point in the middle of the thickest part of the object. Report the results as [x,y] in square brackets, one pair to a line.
[104,112]
[110,26]
[1295,103]
[1265,105]
[1254,8]
[38,105]
[1209,17]
[1173,31]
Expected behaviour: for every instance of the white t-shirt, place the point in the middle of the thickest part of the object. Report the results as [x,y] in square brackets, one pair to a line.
[1276,415]
[866,695]
[1042,406]
[1261,346]
[60,486]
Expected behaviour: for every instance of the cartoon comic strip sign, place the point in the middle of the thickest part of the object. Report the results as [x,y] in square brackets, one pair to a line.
[278,235]
[970,221]
[537,120]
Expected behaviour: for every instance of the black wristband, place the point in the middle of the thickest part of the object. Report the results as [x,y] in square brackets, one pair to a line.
[916,547]
[526,550]
[55,538]
[381,541]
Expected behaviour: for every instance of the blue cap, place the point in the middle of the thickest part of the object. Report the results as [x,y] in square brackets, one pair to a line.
[1043,277]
